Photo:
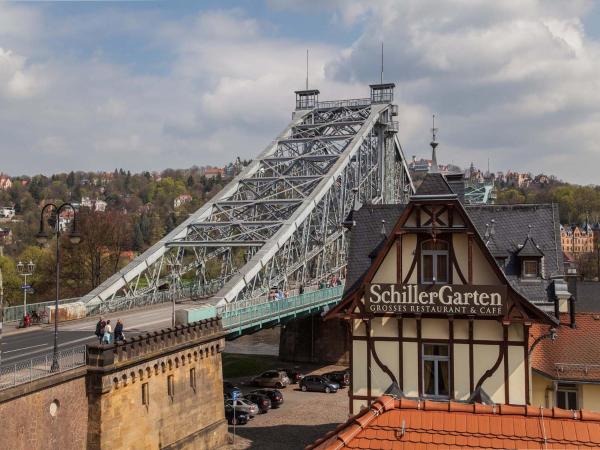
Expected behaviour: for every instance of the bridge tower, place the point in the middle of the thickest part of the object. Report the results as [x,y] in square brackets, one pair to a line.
[278,222]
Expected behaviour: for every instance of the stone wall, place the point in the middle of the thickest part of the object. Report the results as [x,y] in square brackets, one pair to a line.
[46,413]
[101,406]
[310,339]
[187,415]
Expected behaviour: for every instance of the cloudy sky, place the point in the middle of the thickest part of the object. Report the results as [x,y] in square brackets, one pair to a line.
[146,85]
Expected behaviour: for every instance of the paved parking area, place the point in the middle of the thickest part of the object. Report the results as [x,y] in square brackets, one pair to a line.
[303,418]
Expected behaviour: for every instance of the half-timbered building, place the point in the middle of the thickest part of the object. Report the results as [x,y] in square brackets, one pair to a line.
[440,297]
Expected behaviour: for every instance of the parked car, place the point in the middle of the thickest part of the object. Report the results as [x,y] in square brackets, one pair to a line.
[238,417]
[262,401]
[293,374]
[243,405]
[318,383]
[272,378]
[341,377]
[274,395]
[229,388]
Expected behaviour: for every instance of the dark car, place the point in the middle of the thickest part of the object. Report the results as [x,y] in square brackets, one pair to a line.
[262,401]
[236,417]
[293,374]
[274,395]
[341,377]
[229,388]
[318,383]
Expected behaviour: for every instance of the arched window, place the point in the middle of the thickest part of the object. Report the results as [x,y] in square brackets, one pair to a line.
[434,261]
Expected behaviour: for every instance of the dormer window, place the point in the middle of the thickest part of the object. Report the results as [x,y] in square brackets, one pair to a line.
[434,262]
[531,268]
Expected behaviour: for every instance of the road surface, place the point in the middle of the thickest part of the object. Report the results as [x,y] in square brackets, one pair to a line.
[25,344]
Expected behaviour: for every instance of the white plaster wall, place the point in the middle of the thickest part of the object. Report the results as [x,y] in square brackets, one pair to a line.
[461,371]
[461,329]
[409,246]
[387,270]
[434,328]
[388,354]
[515,332]
[482,270]
[359,368]
[516,375]
[411,370]
[487,330]
[359,328]
[484,357]
[384,327]
[409,328]
[461,252]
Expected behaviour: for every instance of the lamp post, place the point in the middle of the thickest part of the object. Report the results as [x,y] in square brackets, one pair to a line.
[175,268]
[25,270]
[42,238]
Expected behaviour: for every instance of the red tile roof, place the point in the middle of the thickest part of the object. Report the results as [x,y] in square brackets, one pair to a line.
[574,355]
[410,424]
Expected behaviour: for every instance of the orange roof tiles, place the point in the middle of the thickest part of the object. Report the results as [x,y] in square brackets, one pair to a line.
[410,424]
[574,355]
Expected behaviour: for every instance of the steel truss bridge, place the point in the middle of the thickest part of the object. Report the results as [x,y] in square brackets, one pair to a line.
[278,223]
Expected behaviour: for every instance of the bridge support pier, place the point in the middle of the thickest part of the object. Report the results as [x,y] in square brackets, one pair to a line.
[310,339]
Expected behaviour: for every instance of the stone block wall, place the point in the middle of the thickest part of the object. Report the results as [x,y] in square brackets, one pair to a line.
[101,405]
[189,415]
[47,413]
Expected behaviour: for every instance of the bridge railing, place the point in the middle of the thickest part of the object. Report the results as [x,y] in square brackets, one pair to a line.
[40,367]
[353,102]
[249,312]
[15,313]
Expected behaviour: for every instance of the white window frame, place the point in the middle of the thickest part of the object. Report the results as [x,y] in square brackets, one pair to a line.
[435,359]
[434,254]
[566,389]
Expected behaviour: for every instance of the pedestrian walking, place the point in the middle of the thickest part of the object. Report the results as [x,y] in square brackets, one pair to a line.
[107,333]
[100,329]
[119,336]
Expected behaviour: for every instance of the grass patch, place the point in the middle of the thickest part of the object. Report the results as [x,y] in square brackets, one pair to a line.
[237,365]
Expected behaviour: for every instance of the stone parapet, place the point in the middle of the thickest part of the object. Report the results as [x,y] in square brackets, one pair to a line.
[103,357]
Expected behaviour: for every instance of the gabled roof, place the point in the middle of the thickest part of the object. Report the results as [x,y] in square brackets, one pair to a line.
[434,184]
[366,237]
[409,424]
[363,261]
[529,249]
[575,353]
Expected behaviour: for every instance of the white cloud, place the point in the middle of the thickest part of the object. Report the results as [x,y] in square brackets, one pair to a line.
[514,80]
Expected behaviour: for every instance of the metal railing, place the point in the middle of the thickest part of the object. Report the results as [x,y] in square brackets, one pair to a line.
[249,312]
[15,313]
[344,103]
[190,291]
[39,367]
[573,367]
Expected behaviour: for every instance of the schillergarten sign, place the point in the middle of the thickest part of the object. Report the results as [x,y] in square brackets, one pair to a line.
[436,299]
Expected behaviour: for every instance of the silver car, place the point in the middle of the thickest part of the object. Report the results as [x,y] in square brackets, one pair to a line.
[242,405]
[272,378]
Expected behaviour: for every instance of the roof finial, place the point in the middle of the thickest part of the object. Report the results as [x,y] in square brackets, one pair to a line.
[493,228]
[529,231]
[434,144]
[487,231]
[383,232]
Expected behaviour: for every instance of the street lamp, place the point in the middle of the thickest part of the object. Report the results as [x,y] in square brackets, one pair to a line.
[42,238]
[25,270]
[175,269]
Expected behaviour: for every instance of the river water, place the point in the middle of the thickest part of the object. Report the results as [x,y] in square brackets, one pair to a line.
[264,342]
